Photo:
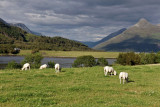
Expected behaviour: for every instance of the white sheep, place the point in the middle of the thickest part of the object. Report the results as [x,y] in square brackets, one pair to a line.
[124,76]
[43,66]
[115,73]
[57,67]
[108,69]
[26,66]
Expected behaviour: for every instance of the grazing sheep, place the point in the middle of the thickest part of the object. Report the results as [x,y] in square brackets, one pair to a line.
[26,66]
[57,67]
[124,76]
[43,66]
[108,69]
[115,73]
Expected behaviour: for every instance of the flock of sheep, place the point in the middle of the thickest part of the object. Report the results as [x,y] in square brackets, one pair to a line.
[122,75]
[107,69]
[27,66]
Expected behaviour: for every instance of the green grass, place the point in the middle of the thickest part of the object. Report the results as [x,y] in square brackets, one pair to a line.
[80,87]
[73,53]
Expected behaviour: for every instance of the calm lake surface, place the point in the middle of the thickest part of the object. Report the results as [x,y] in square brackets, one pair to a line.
[64,62]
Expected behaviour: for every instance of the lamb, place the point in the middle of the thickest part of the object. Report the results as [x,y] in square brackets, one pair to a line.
[43,66]
[26,66]
[110,70]
[124,76]
[57,67]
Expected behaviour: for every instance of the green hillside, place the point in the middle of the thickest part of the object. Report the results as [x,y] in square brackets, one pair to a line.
[142,37]
[19,38]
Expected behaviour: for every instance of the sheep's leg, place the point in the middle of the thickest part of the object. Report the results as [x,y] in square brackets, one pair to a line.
[106,73]
[29,67]
[123,81]
[127,80]
[120,80]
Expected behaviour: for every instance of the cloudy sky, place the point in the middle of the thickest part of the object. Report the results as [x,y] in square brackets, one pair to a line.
[83,20]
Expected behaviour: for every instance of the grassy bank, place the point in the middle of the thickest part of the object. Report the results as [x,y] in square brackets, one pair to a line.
[80,87]
[73,53]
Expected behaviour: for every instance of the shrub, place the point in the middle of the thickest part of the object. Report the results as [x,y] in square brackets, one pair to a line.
[84,61]
[143,58]
[151,58]
[13,65]
[102,62]
[6,48]
[129,58]
[158,57]
[33,59]
[51,64]
[121,59]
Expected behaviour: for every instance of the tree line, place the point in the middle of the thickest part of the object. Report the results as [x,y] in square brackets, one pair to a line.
[132,58]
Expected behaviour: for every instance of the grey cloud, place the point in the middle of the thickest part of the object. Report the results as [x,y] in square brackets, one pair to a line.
[79,19]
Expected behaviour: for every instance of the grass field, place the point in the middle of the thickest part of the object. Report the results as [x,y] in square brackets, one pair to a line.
[80,87]
[73,53]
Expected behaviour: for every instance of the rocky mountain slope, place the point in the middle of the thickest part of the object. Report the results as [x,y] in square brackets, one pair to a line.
[141,37]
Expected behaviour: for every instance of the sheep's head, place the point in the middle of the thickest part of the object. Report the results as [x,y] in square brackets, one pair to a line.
[115,73]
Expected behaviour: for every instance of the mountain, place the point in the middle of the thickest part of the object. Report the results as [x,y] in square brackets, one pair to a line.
[24,27]
[2,21]
[141,37]
[17,37]
[92,44]
[20,25]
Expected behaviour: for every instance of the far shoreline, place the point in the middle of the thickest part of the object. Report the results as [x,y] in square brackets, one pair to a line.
[68,54]
[50,56]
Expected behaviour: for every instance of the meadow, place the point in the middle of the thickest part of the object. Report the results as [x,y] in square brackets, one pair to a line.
[80,87]
[73,53]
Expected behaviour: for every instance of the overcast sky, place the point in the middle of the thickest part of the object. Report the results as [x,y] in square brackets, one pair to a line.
[83,20]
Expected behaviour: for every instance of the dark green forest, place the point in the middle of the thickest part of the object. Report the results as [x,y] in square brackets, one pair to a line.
[11,36]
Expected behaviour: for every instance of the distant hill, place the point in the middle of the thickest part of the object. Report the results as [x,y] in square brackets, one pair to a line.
[12,35]
[92,44]
[24,27]
[141,37]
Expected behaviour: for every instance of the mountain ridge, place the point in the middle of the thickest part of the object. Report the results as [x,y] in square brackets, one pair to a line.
[141,35]
[24,27]
[92,44]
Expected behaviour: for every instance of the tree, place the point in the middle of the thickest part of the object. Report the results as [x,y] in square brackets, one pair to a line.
[33,59]
[129,58]
[13,65]
[84,61]
[51,64]
[158,57]
[102,62]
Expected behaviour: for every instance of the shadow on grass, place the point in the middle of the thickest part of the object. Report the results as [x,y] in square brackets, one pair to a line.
[130,81]
[63,71]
